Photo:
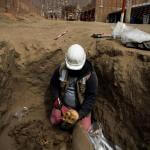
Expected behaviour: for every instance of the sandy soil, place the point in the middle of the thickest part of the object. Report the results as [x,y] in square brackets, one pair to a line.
[32,38]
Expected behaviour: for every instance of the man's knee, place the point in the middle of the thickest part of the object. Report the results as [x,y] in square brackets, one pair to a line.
[55,117]
[86,122]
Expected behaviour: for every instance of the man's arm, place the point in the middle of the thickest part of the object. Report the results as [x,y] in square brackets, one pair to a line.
[90,96]
[55,84]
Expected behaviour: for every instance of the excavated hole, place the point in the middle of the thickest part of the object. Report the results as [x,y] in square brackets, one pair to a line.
[35,132]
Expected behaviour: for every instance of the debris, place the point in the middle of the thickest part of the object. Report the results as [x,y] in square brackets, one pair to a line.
[21,113]
[101,35]
[131,37]
[60,35]
[98,140]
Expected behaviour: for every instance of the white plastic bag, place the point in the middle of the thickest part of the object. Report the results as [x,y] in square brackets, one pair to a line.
[98,140]
[135,36]
[119,29]
[128,34]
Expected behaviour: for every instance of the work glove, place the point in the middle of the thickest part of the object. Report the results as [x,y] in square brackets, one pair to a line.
[71,116]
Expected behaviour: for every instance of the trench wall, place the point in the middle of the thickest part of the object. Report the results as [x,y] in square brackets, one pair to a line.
[124,92]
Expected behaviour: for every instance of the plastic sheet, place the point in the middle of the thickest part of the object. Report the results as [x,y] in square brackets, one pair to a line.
[119,29]
[98,140]
[135,36]
[128,34]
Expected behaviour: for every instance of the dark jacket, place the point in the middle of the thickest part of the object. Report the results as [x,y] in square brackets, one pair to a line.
[91,87]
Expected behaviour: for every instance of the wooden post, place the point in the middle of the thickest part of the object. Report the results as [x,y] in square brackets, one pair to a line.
[123,10]
[128,11]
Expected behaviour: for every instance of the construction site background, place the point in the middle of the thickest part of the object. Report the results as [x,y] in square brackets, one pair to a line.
[89,10]
[104,7]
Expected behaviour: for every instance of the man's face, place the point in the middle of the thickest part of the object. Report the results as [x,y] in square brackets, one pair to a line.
[74,73]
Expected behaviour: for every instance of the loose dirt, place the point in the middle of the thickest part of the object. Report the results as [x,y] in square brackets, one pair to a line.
[28,56]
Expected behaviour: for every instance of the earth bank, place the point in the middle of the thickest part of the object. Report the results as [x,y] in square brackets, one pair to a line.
[123,97]
[27,63]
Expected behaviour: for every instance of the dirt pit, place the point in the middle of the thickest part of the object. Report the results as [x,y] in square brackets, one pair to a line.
[28,56]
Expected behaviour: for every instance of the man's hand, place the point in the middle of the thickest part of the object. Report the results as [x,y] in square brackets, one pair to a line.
[71,116]
[57,103]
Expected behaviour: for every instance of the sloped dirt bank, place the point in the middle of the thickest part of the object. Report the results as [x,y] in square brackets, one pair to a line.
[122,104]
[23,89]
[124,93]
[7,68]
[38,135]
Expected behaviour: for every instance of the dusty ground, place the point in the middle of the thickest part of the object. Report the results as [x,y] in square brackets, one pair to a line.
[36,54]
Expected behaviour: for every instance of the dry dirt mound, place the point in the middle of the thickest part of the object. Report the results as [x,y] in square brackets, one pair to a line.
[23,92]
[36,135]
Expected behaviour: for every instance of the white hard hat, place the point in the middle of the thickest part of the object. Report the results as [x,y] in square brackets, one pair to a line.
[75,57]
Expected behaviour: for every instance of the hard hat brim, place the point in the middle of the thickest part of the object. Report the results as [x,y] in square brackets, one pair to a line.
[74,67]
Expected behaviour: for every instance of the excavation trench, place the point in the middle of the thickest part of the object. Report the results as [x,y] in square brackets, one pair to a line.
[122,104]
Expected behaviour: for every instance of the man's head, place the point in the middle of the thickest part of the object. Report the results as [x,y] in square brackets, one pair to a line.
[75,57]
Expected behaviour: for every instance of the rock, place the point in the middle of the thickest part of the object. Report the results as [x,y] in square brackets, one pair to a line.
[80,139]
